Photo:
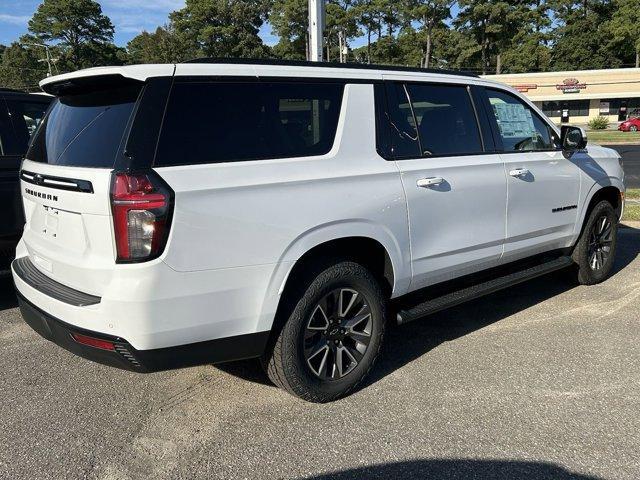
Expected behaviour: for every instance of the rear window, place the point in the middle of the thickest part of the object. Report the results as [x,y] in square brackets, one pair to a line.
[230,122]
[85,130]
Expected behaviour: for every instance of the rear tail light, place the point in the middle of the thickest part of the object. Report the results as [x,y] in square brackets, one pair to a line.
[142,205]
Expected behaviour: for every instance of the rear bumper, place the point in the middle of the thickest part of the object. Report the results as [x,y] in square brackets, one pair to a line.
[126,357]
[153,306]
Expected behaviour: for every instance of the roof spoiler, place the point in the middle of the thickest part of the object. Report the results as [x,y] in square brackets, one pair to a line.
[78,85]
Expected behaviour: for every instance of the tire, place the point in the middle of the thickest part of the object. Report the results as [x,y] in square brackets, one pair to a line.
[328,330]
[594,254]
[633,128]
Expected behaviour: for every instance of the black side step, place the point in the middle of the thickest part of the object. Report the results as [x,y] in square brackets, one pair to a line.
[461,296]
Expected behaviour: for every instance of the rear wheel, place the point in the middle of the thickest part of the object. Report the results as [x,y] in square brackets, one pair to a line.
[333,336]
[633,128]
[595,252]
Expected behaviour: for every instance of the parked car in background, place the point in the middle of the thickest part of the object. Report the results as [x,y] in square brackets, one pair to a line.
[631,125]
[20,115]
[216,211]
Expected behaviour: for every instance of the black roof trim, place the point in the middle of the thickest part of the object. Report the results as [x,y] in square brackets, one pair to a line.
[11,90]
[301,63]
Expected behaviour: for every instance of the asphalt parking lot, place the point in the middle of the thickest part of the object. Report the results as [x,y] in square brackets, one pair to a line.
[541,381]
[631,157]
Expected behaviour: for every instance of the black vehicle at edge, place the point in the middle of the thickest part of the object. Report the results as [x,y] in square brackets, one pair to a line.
[20,115]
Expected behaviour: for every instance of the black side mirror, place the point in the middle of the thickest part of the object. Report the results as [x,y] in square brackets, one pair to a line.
[573,138]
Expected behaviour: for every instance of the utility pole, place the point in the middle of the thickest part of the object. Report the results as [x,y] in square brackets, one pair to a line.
[316,30]
[49,59]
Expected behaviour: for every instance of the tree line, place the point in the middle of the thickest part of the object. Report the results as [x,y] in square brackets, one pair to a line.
[499,36]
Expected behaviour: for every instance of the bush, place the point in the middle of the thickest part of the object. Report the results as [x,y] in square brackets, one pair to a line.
[599,123]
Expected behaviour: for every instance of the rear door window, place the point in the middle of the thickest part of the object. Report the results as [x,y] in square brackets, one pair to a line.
[26,116]
[427,120]
[6,130]
[85,129]
[445,119]
[214,122]
[402,124]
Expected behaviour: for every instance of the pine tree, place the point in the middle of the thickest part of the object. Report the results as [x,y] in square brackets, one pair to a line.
[82,32]
[221,28]
[624,30]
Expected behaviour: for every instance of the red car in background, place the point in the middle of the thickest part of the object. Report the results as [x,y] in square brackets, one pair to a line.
[631,125]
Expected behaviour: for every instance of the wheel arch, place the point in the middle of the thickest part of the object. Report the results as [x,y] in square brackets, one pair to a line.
[611,193]
[363,242]
[347,238]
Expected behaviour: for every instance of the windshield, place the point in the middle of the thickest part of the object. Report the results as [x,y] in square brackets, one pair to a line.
[84,130]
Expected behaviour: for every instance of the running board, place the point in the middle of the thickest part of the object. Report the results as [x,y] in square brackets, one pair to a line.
[476,291]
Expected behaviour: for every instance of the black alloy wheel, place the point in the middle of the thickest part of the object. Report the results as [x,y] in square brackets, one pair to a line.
[338,334]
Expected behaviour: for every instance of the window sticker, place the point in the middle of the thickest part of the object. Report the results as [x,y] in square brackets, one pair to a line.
[514,120]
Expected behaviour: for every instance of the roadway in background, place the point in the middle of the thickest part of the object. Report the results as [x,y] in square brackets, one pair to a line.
[631,157]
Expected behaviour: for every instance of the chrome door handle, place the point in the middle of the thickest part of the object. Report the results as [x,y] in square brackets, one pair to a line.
[519,172]
[430,182]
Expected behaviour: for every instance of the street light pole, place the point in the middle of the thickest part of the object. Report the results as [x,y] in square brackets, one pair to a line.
[316,30]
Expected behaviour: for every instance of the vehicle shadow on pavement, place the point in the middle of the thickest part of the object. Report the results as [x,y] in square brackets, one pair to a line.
[458,469]
[407,342]
[8,297]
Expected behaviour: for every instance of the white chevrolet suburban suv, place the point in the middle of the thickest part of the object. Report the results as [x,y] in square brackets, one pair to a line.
[221,210]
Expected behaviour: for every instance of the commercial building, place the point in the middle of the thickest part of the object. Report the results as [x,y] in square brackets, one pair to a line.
[578,96]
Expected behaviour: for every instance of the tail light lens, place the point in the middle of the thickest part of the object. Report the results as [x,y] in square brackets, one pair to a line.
[142,205]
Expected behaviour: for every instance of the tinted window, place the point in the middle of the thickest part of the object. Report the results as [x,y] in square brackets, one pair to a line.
[402,126]
[520,127]
[614,104]
[6,130]
[229,122]
[577,108]
[445,119]
[25,119]
[84,130]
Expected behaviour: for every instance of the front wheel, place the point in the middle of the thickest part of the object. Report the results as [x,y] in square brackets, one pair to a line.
[333,336]
[594,253]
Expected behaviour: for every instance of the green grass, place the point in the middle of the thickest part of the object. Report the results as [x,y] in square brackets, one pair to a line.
[633,194]
[632,210]
[613,136]
[631,213]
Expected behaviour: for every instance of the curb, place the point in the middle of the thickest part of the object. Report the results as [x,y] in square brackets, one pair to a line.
[630,224]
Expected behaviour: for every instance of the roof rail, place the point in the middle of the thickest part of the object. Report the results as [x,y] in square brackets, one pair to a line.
[302,63]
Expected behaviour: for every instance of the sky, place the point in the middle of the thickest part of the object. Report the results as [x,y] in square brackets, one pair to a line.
[129,17]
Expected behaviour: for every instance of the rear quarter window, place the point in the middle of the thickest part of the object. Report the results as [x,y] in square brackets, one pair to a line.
[215,122]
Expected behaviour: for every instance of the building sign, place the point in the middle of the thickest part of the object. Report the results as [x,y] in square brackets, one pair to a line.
[526,87]
[604,108]
[571,85]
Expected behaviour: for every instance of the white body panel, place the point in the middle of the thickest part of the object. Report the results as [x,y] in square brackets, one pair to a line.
[456,227]
[551,182]
[239,228]
[70,235]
